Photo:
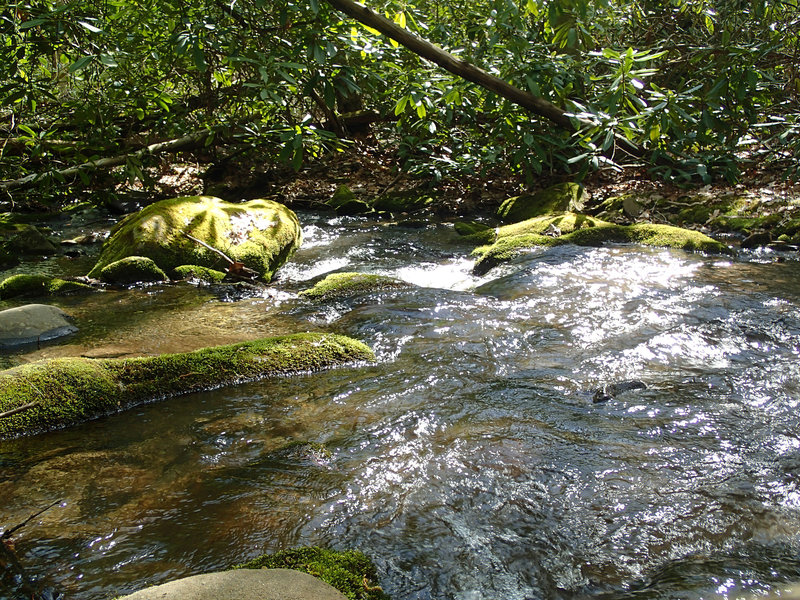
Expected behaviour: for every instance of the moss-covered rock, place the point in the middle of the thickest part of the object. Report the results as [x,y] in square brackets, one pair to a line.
[27,239]
[480,233]
[261,234]
[70,390]
[404,201]
[587,231]
[32,286]
[198,272]
[132,269]
[561,197]
[344,202]
[350,572]
[343,285]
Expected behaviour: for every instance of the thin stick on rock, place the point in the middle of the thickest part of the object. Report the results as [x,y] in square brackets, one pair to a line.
[18,409]
[202,243]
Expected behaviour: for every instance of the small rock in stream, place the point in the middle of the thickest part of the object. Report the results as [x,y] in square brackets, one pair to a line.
[611,390]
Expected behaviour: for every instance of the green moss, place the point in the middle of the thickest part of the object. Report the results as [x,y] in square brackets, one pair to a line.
[587,231]
[746,224]
[344,202]
[350,572]
[39,285]
[198,272]
[480,233]
[262,234]
[72,390]
[133,269]
[557,198]
[342,285]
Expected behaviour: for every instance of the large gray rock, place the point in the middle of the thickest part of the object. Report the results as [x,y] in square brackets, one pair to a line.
[33,323]
[242,584]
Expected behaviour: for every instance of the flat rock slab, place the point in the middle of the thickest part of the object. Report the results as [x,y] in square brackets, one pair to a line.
[33,323]
[242,584]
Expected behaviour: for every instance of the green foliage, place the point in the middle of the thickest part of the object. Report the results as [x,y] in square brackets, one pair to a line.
[713,83]
[350,572]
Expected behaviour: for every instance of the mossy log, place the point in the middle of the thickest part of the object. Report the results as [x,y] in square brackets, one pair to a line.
[71,390]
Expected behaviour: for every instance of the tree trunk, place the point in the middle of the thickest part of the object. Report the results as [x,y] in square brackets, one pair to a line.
[535,104]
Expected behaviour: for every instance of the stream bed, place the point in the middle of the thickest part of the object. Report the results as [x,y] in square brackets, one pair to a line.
[470,462]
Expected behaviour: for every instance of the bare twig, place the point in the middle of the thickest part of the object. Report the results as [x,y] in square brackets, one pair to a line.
[215,250]
[18,409]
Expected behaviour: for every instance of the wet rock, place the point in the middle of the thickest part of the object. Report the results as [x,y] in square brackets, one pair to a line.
[480,233]
[562,197]
[33,323]
[242,584]
[260,234]
[754,240]
[612,390]
[132,269]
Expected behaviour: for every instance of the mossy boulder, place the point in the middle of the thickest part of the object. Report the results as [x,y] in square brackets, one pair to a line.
[345,202]
[404,201]
[350,571]
[344,285]
[581,230]
[132,269]
[31,286]
[71,390]
[261,234]
[199,273]
[561,197]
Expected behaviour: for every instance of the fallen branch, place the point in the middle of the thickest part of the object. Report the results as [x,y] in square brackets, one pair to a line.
[18,409]
[235,269]
[8,532]
[182,143]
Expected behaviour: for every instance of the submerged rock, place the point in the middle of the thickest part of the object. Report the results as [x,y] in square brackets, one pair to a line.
[562,197]
[133,269]
[350,572]
[71,390]
[242,584]
[612,390]
[31,286]
[581,230]
[343,285]
[261,234]
[32,323]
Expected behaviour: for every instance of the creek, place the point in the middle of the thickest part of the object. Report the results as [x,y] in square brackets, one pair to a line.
[470,462]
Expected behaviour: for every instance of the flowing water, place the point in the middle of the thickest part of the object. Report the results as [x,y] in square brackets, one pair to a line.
[470,462]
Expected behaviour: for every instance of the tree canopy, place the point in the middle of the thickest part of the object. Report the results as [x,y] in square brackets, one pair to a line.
[711,84]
